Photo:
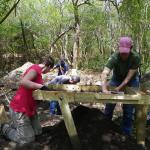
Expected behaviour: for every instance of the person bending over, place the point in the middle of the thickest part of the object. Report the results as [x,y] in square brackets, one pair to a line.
[124,64]
[25,124]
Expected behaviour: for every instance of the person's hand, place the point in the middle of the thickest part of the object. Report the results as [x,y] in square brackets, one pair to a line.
[45,88]
[117,89]
[106,92]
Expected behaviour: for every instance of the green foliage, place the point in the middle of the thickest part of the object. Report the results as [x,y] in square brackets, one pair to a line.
[44,20]
[94,63]
[136,16]
[4,5]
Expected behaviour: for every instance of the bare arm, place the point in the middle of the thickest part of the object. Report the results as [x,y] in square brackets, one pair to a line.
[27,80]
[127,79]
[104,76]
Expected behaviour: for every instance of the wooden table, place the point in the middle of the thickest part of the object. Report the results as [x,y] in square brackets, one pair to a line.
[85,94]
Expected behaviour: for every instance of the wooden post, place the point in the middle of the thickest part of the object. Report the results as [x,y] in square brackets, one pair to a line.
[66,112]
[3,115]
[141,118]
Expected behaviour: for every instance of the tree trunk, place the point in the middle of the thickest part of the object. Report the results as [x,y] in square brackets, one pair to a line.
[65,48]
[24,40]
[76,46]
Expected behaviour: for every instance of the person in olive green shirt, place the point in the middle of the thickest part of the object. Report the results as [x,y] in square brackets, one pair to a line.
[124,64]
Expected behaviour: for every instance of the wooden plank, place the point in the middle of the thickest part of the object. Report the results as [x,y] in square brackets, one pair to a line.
[87,88]
[3,115]
[141,117]
[48,95]
[66,112]
[92,97]
[75,88]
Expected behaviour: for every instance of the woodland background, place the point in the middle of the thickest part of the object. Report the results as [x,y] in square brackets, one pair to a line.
[85,32]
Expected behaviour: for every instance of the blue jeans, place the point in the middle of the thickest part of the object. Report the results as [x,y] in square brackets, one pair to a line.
[127,108]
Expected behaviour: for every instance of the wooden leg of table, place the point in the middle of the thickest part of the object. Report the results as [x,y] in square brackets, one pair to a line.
[3,115]
[69,123]
[141,117]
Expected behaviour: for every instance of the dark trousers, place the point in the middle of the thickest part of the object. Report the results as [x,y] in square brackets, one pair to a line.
[127,108]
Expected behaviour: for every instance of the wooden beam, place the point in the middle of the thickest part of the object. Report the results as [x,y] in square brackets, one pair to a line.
[141,118]
[92,97]
[3,115]
[75,88]
[66,112]
[86,88]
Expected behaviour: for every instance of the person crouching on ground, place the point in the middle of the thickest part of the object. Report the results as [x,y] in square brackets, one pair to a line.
[25,124]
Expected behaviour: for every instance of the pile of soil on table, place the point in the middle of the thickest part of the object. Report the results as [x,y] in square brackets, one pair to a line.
[95,133]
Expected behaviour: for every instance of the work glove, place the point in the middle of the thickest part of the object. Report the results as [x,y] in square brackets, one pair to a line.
[44,88]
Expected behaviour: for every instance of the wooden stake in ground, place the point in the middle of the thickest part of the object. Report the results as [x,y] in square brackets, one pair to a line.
[141,115]
[3,115]
[66,112]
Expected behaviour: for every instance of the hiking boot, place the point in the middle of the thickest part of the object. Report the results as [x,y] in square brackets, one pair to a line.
[5,128]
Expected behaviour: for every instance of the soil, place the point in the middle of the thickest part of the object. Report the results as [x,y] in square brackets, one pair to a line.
[95,132]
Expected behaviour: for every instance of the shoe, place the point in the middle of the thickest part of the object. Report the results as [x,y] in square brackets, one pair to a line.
[5,128]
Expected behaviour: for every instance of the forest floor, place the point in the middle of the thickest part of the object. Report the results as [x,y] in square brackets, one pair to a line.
[95,131]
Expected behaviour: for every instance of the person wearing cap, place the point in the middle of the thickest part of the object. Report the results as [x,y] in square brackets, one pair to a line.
[124,65]
[62,67]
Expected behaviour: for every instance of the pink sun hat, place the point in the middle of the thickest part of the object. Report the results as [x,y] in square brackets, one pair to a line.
[125,44]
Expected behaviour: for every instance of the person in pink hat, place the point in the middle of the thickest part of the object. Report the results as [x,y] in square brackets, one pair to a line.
[124,64]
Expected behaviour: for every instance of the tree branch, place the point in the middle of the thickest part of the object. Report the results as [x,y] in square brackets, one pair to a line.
[114,2]
[9,12]
[76,2]
[73,2]
[60,35]
[116,5]
[85,2]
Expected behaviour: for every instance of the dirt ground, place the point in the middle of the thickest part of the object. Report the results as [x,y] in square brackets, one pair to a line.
[95,132]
